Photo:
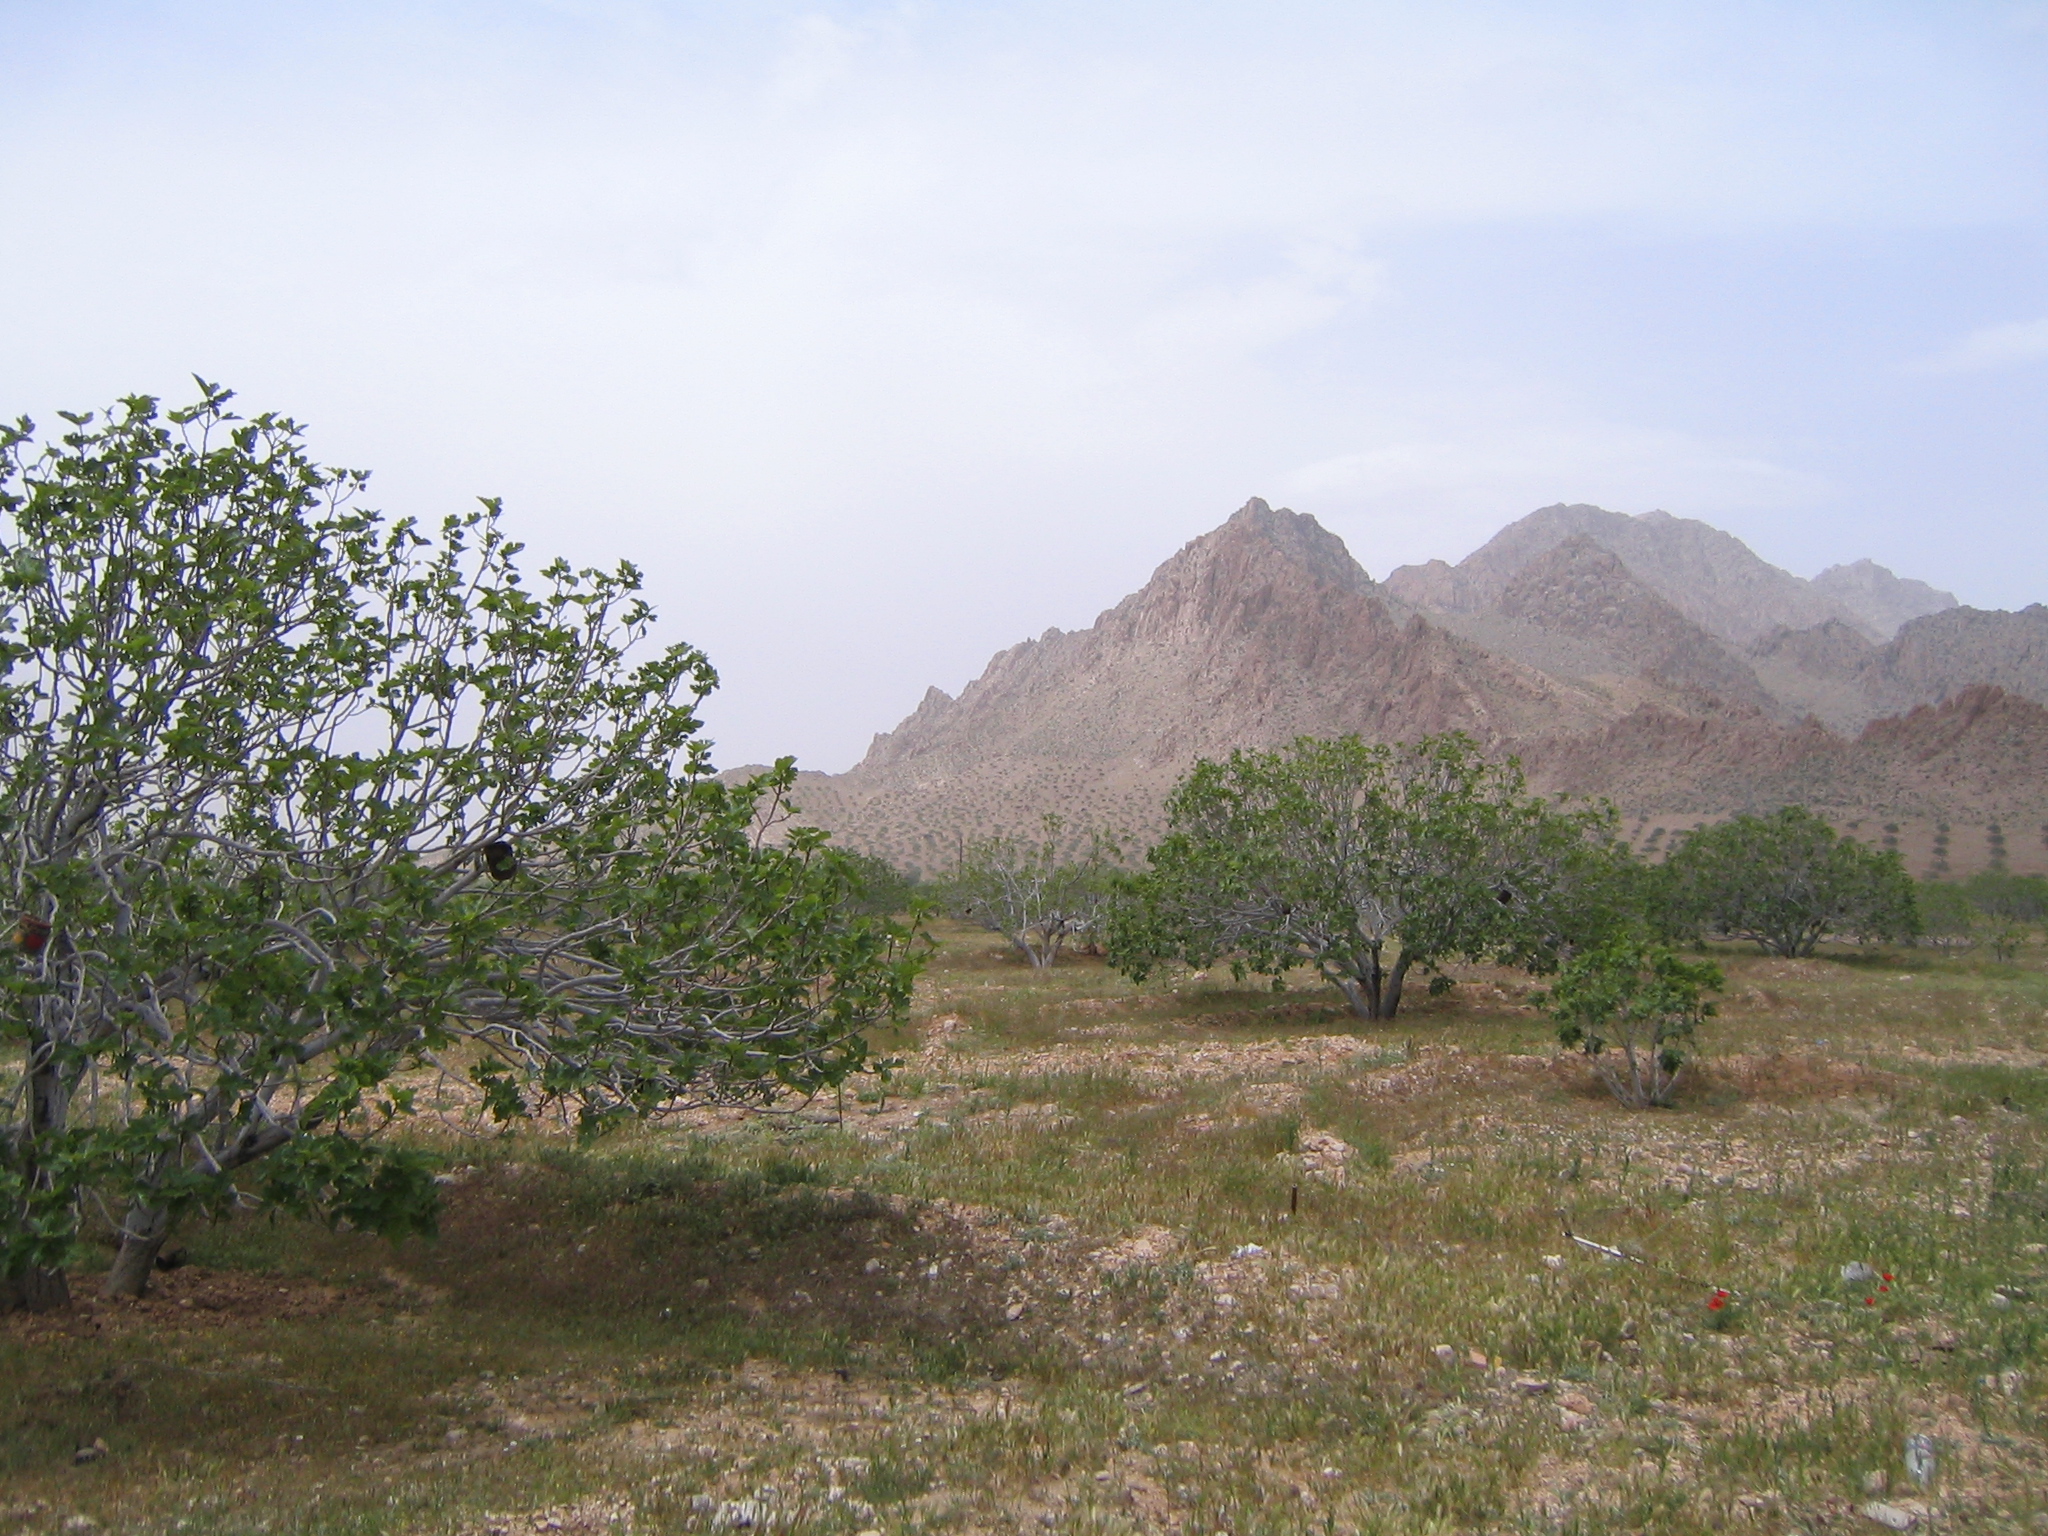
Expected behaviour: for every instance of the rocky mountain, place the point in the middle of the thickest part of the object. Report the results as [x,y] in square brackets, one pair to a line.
[1260,631]
[1975,755]
[1882,601]
[1654,660]
[1712,577]
[1633,643]
[1832,672]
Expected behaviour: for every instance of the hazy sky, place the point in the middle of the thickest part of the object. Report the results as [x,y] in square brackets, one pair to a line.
[882,336]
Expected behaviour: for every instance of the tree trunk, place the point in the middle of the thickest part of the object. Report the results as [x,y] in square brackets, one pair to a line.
[49,1101]
[1354,995]
[142,1239]
[1367,990]
[1390,992]
[36,1290]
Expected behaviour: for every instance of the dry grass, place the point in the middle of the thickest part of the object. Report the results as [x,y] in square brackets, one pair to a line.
[1187,1256]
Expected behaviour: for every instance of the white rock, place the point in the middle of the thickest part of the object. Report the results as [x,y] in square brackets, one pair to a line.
[1324,1155]
[1858,1273]
[1891,1516]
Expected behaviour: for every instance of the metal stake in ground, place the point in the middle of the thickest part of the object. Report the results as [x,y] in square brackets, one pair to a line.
[1636,1258]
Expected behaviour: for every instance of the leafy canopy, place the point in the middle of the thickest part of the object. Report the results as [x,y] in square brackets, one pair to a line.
[1630,1005]
[312,806]
[1785,881]
[1363,860]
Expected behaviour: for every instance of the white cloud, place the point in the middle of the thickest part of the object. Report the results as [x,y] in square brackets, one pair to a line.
[1993,346]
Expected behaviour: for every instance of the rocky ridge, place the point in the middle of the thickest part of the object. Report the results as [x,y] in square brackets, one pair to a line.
[1652,660]
[1712,577]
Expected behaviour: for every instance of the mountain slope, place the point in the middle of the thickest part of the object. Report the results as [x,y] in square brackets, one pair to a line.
[1981,750]
[1882,601]
[1261,631]
[1712,577]
[1549,643]
[1580,589]
[1833,672]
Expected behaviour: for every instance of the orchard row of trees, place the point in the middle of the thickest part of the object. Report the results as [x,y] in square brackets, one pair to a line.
[1365,861]
[1994,908]
[300,808]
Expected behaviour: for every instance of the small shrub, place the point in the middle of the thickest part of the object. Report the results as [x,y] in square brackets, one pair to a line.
[1642,1001]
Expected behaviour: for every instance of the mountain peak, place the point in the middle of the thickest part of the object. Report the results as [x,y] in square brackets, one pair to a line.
[1295,535]
[1648,657]
[1884,602]
[1711,577]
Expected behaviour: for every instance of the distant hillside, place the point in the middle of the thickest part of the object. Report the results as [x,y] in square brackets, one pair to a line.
[1712,577]
[1654,660]
[1834,673]
[1883,602]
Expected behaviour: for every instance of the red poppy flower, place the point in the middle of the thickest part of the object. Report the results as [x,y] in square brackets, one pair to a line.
[1884,1277]
[1884,1287]
[1717,1303]
[1870,1301]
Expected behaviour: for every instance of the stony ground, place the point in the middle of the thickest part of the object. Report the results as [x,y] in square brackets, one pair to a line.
[1182,1257]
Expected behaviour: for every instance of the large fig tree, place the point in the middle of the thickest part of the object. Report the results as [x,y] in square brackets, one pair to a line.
[1364,860]
[300,807]
[1785,882]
